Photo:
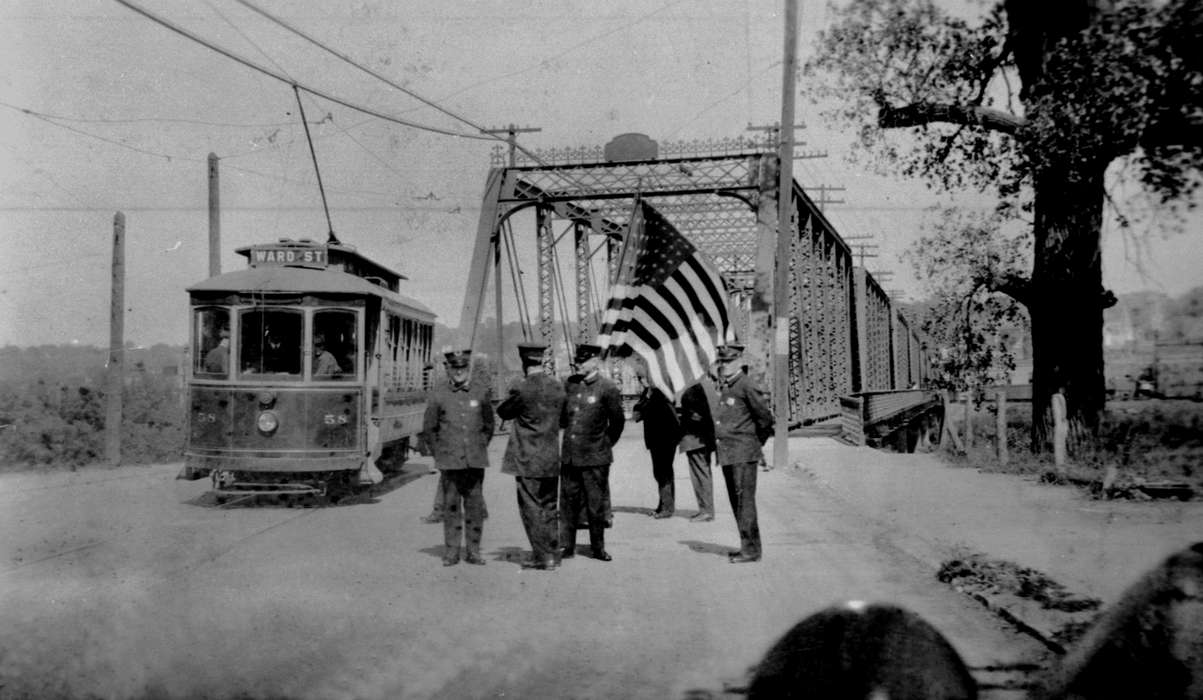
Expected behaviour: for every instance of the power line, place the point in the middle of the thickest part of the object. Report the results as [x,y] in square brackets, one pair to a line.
[135,120]
[284,79]
[347,59]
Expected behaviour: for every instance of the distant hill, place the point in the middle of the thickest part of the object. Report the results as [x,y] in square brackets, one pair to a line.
[1141,319]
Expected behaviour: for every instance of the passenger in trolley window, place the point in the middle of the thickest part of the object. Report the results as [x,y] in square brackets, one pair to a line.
[742,424]
[532,455]
[592,420]
[217,360]
[457,426]
[324,364]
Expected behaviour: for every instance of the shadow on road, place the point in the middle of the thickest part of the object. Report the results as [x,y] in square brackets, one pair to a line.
[361,496]
[633,509]
[707,547]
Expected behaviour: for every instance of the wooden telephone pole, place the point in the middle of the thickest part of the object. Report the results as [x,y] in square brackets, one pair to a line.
[785,230]
[116,370]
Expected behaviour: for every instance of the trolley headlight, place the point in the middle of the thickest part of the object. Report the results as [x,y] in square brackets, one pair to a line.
[268,422]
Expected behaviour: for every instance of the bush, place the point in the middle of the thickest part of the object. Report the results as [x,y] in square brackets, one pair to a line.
[1139,441]
[47,425]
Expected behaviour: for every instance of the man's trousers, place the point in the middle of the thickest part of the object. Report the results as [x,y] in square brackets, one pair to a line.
[741,489]
[463,508]
[537,504]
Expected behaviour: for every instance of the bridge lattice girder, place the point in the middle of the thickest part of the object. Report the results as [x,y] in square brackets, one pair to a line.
[726,205]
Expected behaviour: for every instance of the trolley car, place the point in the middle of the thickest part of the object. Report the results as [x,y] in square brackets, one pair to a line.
[307,368]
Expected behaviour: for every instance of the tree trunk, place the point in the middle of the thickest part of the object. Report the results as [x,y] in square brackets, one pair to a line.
[1067,300]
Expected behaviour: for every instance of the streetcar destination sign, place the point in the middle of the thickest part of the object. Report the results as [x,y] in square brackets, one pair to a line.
[288,255]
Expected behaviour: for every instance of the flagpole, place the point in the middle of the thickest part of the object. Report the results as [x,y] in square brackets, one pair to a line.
[785,231]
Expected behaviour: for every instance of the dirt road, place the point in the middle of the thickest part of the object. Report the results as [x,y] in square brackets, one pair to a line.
[126,583]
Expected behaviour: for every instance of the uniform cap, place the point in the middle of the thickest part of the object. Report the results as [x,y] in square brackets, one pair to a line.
[585,351]
[531,352]
[458,358]
[729,352]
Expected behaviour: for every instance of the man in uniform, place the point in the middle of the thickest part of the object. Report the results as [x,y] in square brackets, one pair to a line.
[742,423]
[457,426]
[592,420]
[533,408]
[699,403]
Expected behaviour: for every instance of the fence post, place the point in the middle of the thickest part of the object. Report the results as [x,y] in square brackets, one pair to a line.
[968,420]
[1000,427]
[949,425]
[1060,432]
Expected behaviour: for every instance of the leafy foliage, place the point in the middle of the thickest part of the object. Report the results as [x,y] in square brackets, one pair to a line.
[969,323]
[1033,105]
[52,407]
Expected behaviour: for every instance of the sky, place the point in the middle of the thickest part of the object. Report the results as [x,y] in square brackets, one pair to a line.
[103,110]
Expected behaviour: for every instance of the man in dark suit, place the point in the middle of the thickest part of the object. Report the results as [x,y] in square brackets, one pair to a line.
[533,408]
[699,403]
[592,420]
[457,426]
[742,424]
[661,432]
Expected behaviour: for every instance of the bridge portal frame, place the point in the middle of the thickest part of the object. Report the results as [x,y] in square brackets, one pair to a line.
[725,203]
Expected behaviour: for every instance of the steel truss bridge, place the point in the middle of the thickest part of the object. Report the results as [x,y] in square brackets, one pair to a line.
[845,335]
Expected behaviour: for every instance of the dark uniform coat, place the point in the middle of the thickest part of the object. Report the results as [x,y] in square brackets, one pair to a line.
[661,427]
[458,425]
[592,420]
[742,423]
[699,403]
[534,405]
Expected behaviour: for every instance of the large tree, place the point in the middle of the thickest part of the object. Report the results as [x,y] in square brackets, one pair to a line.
[1034,100]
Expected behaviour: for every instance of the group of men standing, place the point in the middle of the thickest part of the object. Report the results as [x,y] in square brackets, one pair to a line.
[560,451]
[724,415]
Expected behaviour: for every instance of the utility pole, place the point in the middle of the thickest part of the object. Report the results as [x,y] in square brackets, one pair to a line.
[116,370]
[785,232]
[512,132]
[214,218]
[823,200]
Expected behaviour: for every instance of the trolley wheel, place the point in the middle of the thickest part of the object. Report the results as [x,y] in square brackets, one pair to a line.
[339,485]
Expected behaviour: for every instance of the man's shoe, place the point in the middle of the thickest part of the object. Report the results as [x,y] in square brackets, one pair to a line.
[451,559]
[432,518]
[702,518]
[551,562]
[474,558]
[662,514]
[602,555]
[741,558]
[568,552]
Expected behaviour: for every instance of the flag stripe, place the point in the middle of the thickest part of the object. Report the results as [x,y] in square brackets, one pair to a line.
[669,304]
[714,287]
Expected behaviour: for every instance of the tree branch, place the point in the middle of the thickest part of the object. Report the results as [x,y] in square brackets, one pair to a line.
[919,113]
[1016,286]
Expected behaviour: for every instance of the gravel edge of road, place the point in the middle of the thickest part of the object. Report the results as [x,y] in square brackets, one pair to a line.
[1028,617]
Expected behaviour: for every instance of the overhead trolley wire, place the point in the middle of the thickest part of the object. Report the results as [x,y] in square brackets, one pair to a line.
[292,83]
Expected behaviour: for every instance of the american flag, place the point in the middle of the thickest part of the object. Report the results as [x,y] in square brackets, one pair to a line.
[668,305]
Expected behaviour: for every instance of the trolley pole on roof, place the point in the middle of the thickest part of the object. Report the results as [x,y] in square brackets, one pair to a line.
[785,230]
[116,369]
[214,218]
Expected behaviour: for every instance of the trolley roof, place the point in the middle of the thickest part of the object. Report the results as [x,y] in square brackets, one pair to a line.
[299,280]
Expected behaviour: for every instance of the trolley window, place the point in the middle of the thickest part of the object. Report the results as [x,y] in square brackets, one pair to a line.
[270,342]
[335,345]
[211,349]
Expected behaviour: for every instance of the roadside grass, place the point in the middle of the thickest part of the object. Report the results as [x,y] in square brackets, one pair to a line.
[1146,449]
